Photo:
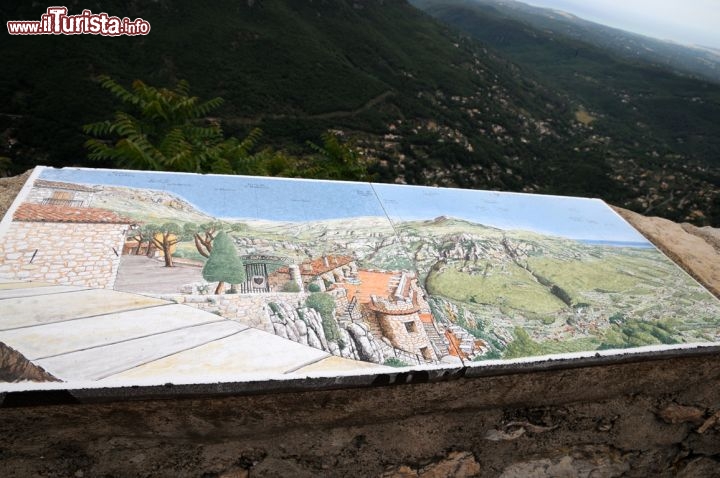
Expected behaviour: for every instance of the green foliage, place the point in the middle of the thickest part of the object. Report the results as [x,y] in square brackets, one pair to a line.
[491,355]
[189,230]
[324,304]
[143,234]
[164,237]
[637,333]
[522,345]
[224,265]
[238,227]
[233,156]
[395,362]
[497,289]
[274,307]
[171,228]
[335,159]
[561,294]
[313,287]
[166,130]
[211,226]
[162,131]
[266,162]
[291,287]
[147,230]
[298,69]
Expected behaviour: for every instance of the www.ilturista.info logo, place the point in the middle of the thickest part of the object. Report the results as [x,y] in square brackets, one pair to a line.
[56,21]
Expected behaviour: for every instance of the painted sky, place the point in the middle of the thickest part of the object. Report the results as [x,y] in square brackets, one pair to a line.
[689,21]
[576,218]
[243,197]
[307,200]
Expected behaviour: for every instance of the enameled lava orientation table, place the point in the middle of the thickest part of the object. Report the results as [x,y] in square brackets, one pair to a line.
[117,283]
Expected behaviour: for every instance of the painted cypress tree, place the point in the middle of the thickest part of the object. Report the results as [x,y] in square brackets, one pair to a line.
[223,265]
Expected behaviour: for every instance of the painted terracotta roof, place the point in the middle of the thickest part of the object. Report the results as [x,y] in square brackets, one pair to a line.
[454,348]
[318,266]
[44,183]
[315,267]
[426,318]
[29,212]
[371,283]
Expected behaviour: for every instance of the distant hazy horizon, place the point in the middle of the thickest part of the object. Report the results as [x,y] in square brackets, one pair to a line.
[302,200]
[691,22]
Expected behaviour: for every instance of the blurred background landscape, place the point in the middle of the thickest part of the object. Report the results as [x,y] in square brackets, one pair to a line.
[474,94]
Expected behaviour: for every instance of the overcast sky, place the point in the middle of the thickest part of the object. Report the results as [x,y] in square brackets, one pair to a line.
[685,21]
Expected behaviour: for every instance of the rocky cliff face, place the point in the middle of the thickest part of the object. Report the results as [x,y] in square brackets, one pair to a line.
[148,205]
[695,249]
[305,325]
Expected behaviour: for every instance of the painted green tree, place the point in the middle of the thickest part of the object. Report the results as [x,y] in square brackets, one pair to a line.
[165,237]
[204,235]
[141,235]
[223,265]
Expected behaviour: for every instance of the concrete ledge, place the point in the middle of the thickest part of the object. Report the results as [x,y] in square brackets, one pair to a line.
[58,393]
[603,419]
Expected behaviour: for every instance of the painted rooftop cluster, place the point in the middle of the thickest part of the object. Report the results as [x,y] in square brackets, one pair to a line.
[129,278]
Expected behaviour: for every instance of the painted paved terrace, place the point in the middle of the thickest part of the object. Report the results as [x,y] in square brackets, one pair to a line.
[83,334]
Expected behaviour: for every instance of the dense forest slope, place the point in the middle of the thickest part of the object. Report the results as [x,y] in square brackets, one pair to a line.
[634,94]
[432,105]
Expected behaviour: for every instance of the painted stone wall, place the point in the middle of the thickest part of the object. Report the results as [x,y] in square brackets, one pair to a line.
[286,315]
[249,309]
[657,418]
[63,253]
[406,332]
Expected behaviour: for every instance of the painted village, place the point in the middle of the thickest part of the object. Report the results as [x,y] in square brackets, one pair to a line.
[332,294]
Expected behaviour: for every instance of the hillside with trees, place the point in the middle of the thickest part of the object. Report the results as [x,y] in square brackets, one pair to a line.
[418,101]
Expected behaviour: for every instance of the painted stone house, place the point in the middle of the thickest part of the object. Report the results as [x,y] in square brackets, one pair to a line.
[392,304]
[64,245]
[56,193]
[323,271]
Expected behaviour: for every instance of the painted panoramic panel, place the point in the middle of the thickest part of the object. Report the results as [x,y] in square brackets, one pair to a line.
[123,278]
